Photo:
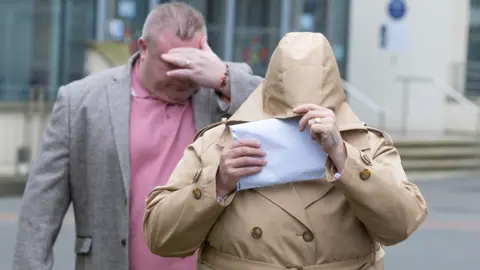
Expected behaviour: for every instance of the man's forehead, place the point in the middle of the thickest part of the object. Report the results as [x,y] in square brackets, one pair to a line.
[168,40]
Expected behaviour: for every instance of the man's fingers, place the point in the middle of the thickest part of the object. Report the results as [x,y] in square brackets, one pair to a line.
[181,73]
[183,51]
[174,59]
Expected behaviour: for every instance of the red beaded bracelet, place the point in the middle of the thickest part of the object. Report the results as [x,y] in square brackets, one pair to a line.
[223,80]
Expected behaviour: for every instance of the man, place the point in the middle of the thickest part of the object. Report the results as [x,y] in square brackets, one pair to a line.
[115,135]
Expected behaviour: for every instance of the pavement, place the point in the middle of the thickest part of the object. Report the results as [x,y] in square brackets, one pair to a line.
[448,239]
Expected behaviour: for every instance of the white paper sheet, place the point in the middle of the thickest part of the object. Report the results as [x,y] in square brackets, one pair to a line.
[291,155]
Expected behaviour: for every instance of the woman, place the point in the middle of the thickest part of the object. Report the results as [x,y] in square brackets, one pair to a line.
[340,222]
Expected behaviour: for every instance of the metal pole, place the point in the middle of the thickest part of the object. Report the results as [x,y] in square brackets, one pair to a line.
[329,20]
[285,12]
[41,111]
[229,30]
[405,107]
[67,41]
[54,46]
[152,4]
[381,117]
[101,19]
[7,61]
[477,128]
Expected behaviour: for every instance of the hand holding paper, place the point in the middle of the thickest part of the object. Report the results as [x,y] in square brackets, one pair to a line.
[291,155]
[242,158]
[322,125]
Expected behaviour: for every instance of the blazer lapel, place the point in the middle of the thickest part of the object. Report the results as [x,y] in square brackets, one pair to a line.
[119,96]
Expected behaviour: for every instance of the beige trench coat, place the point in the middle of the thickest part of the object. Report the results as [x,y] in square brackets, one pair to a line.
[318,224]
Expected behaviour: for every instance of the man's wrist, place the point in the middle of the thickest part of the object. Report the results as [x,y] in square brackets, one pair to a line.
[223,86]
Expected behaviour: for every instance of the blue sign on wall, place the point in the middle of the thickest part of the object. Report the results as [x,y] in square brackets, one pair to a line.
[397,9]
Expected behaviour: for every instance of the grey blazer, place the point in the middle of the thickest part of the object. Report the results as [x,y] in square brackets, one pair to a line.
[84,160]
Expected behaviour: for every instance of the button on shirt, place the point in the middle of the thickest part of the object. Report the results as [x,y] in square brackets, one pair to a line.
[159,134]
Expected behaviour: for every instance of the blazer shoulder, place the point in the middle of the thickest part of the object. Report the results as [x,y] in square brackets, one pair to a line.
[242,66]
[94,82]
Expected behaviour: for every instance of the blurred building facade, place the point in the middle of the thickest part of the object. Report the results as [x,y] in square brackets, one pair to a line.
[45,40]
[399,57]
[49,43]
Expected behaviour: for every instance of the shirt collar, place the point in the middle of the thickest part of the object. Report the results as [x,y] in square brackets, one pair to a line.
[137,90]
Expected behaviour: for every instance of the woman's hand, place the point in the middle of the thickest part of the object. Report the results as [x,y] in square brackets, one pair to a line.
[323,128]
[242,158]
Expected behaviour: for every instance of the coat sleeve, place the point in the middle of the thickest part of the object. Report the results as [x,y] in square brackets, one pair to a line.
[242,83]
[47,194]
[390,207]
[179,215]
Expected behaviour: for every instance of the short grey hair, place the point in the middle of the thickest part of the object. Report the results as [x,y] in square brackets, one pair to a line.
[182,19]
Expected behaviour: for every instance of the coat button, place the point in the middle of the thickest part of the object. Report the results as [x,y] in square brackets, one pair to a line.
[197,194]
[308,236]
[365,174]
[124,242]
[256,232]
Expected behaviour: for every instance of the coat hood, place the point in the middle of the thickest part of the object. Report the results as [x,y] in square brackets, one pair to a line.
[302,69]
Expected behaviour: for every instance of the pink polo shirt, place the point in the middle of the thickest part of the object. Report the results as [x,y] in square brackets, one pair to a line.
[159,133]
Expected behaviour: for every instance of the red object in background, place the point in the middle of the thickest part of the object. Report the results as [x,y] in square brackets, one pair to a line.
[254,53]
[130,41]
[245,55]
[132,46]
[263,54]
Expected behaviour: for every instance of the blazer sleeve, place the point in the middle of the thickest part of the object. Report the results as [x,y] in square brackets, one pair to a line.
[47,194]
[179,215]
[390,207]
[242,83]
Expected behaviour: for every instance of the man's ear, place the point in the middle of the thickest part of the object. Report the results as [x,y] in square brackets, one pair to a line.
[204,44]
[142,47]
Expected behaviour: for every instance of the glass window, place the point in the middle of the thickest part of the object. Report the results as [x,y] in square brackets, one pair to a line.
[215,17]
[474,33]
[76,31]
[309,15]
[17,33]
[473,58]
[329,17]
[125,20]
[49,45]
[257,32]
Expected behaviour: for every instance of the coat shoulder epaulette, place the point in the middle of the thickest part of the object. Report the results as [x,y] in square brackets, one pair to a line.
[381,133]
[203,130]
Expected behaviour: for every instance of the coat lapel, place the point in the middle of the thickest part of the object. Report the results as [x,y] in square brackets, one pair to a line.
[286,197]
[119,96]
[312,191]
